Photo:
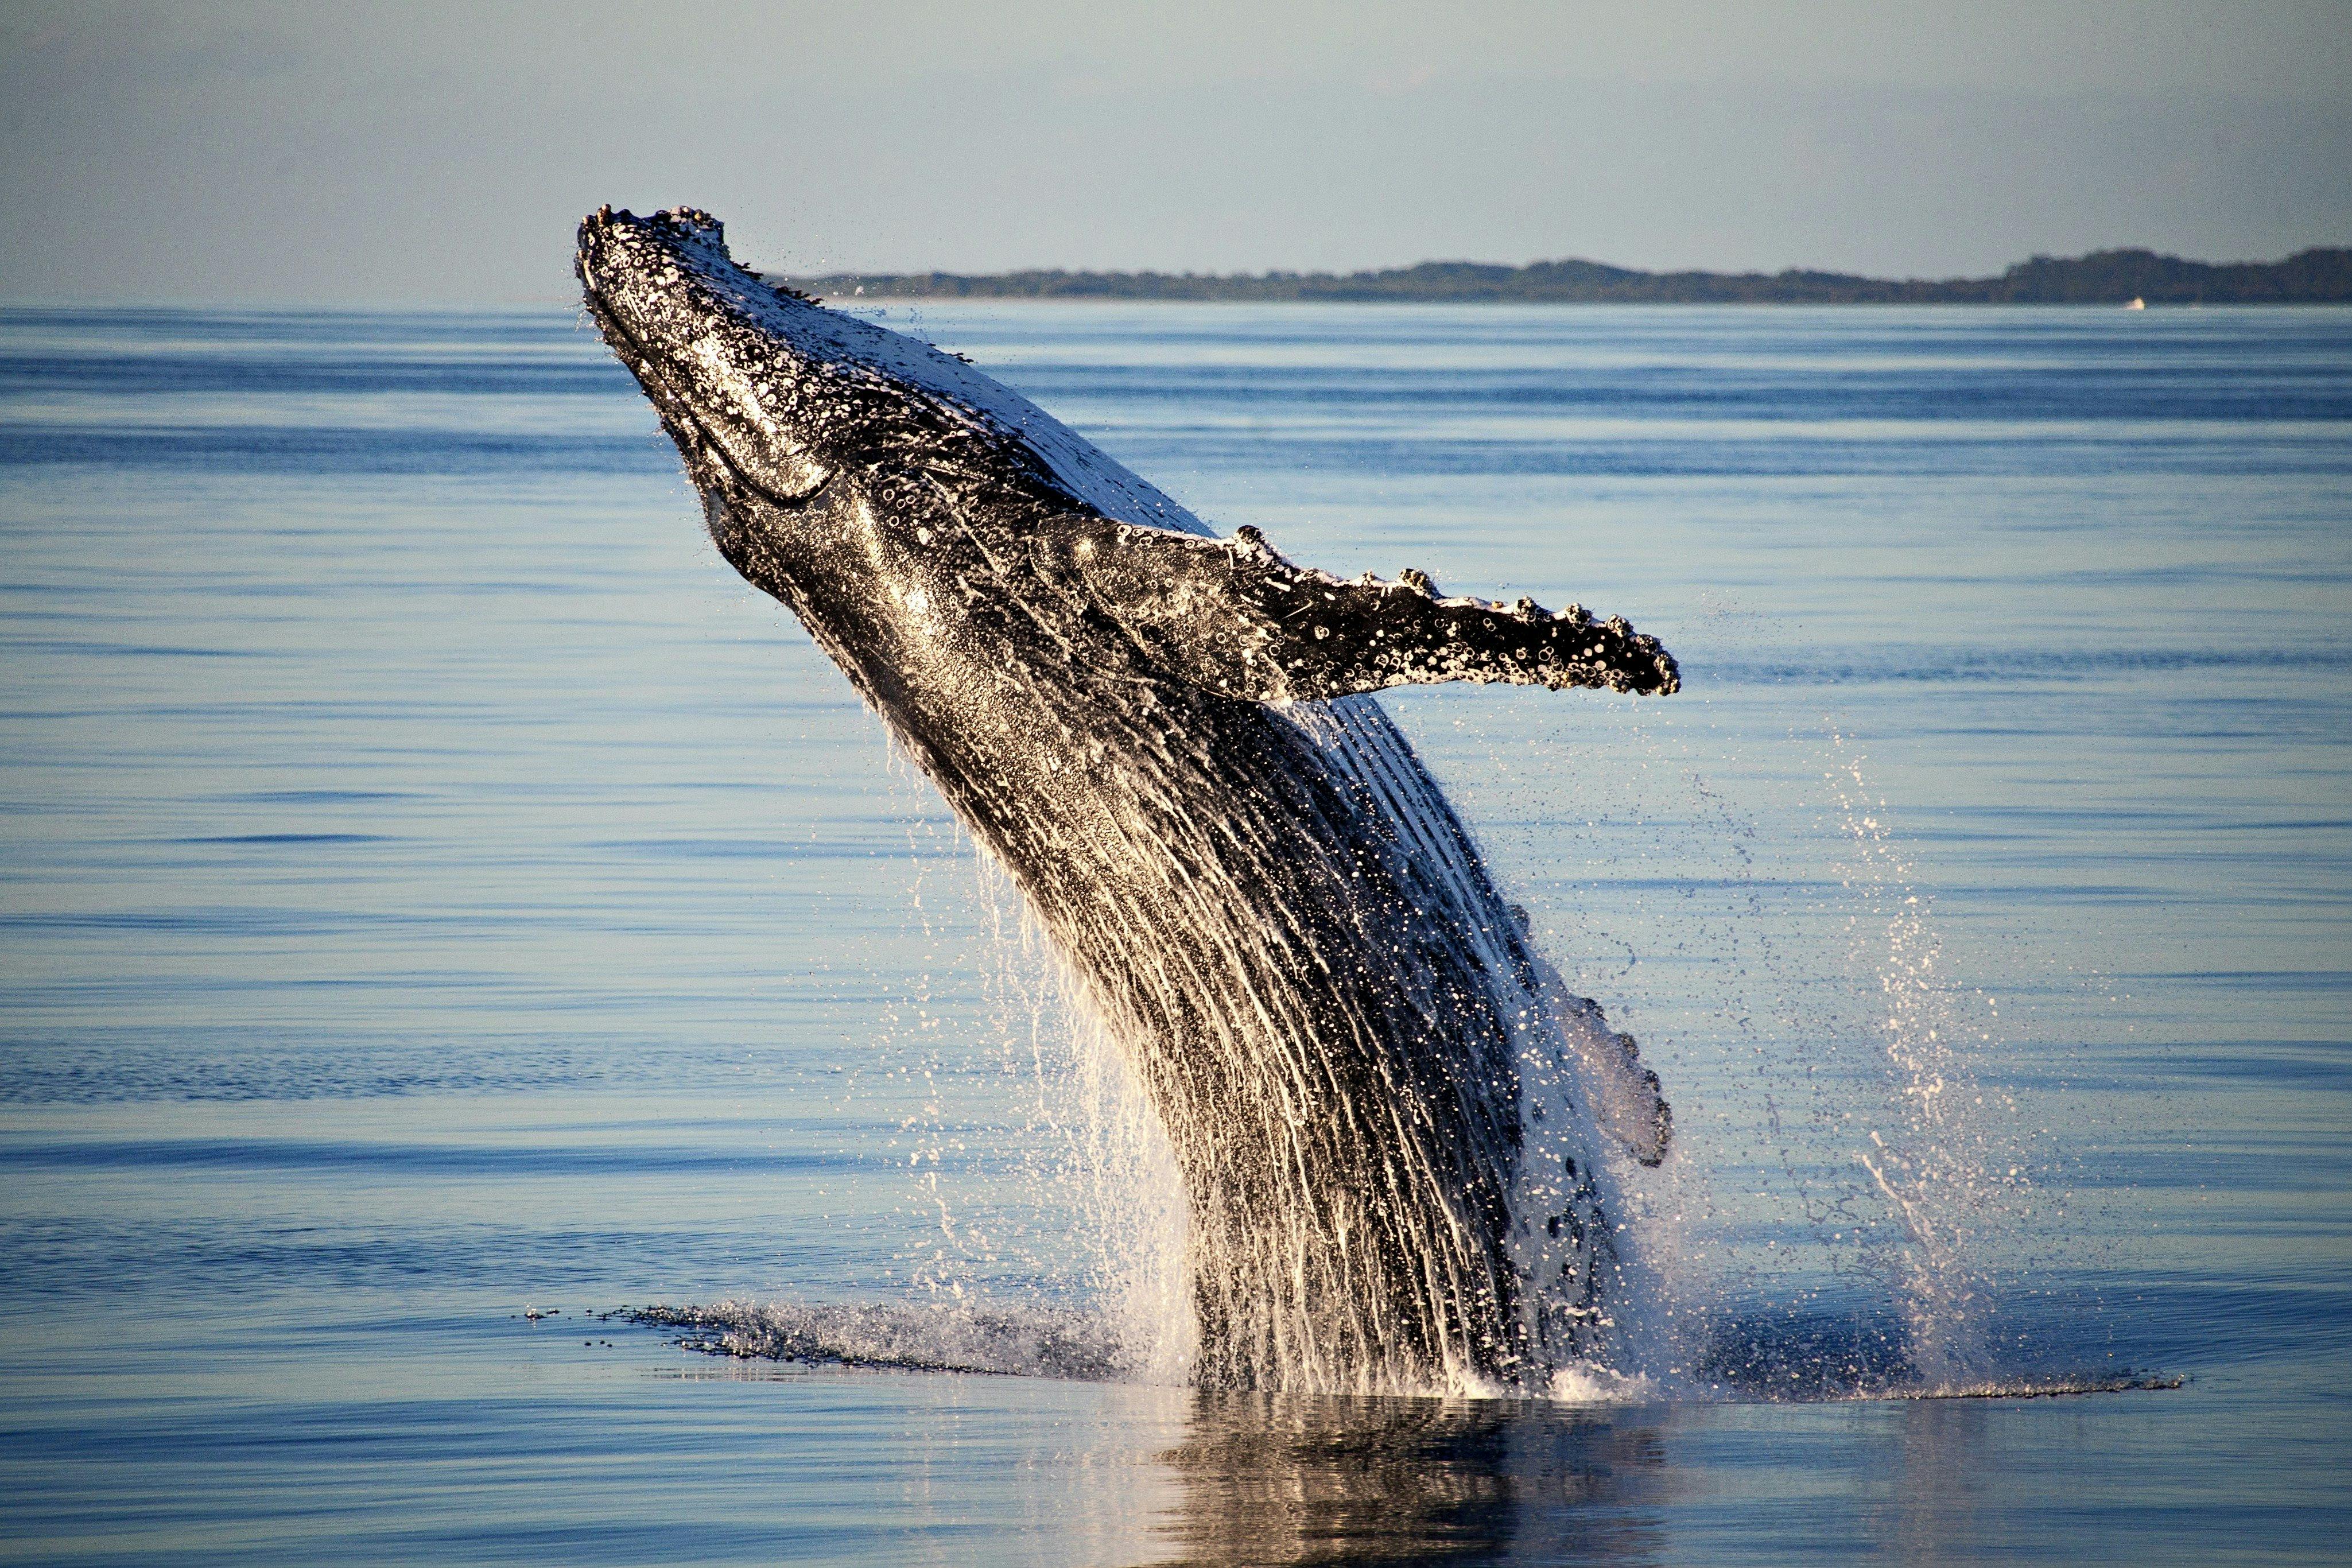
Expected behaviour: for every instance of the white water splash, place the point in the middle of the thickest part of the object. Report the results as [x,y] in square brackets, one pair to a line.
[1098,1155]
[1939,1160]
[1097,1151]
[1890,1161]
[1092,1221]
[1852,1191]
[1097,1142]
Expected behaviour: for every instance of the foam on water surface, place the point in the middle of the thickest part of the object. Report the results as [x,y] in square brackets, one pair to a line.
[1029,1341]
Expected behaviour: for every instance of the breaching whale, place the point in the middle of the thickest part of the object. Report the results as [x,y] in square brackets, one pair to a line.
[1167,739]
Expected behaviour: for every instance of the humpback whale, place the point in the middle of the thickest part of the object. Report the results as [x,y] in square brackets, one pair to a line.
[1397,1131]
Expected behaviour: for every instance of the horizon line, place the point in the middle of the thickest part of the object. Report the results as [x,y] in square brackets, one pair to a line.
[1571,279]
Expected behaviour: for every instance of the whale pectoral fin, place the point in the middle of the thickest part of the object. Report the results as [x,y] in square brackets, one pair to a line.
[1234,616]
[1624,1096]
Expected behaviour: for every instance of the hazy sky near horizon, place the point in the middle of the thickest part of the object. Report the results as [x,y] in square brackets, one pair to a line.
[433,152]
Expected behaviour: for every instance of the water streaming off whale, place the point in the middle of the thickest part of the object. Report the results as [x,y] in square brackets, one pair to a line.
[1392,1183]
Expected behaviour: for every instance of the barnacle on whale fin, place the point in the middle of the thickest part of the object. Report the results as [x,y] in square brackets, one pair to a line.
[1232,616]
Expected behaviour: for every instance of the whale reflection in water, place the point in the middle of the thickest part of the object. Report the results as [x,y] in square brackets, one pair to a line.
[1275,1479]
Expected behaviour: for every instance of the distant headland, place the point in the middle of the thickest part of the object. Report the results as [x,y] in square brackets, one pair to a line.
[2103,277]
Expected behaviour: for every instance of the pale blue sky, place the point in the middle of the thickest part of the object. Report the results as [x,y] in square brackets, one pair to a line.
[442,152]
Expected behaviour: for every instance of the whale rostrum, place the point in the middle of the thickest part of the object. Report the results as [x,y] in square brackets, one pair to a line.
[1393,1124]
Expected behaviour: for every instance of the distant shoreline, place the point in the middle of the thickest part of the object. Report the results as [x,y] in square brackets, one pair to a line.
[2321,276]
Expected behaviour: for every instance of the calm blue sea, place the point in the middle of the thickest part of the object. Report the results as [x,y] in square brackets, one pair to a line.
[437,891]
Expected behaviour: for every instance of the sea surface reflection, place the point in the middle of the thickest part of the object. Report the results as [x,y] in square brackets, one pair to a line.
[1280,1479]
[434,890]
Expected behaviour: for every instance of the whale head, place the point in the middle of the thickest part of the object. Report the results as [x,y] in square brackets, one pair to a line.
[715,349]
[775,401]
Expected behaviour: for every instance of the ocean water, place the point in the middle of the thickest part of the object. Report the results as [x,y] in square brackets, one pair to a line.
[445,906]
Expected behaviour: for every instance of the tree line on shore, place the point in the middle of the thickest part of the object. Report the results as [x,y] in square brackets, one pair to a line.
[2318,276]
